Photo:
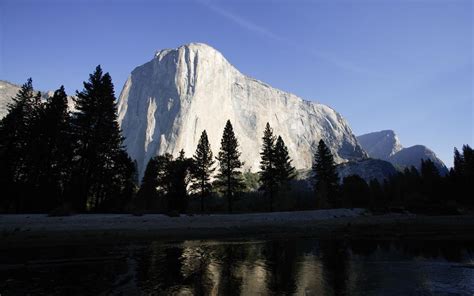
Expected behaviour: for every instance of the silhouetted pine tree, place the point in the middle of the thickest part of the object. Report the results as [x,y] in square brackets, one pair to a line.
[229,177]
[123,182]
[462,175]
[468,162]
[16,145]
[179,176]
[325,178]
[147,195]
[54,150]
[355,192]
[203,162]
[285,172]
[99,144]
[268,174]
[458,162]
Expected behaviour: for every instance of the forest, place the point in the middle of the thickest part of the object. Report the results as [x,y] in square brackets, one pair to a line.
[60,161]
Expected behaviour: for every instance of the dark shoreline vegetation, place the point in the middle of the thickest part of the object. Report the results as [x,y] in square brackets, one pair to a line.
[59,161]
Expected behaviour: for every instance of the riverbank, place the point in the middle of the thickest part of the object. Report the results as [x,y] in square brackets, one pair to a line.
[37,229]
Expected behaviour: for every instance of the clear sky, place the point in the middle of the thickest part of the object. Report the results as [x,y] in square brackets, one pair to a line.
[405,65]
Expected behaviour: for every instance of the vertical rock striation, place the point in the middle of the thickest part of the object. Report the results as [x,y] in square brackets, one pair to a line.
[166,104]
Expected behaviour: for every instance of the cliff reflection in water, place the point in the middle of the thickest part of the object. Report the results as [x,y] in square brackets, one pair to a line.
[303,267]
[278,267]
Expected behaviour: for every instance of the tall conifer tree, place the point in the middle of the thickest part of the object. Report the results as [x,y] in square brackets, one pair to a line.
[203,161]
[55,150]
[229,177]
[99,143]
[147,195]
[179,176]
[16,145]
[285,171]
[268,174]
[326,180]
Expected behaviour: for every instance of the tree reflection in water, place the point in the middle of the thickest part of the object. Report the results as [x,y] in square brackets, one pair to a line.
[277,267]
[280,267]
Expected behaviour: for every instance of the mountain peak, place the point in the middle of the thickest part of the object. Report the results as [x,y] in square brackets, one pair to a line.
[189,47]
[413,155]
[167,102]
[381,144]
[386,146]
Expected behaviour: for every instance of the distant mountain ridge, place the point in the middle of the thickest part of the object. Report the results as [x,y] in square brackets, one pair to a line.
[386,146]
[367,169]
[9,90]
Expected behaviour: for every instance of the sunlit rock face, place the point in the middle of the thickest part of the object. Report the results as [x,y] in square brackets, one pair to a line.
[380,145]
[7,92]
[166,104]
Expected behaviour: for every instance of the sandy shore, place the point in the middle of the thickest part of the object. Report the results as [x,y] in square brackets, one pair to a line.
[40,229]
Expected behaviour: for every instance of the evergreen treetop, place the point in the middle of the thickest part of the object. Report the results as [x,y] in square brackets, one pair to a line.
[285,171]
[202,169]
[229,176]
[326,180]
[268,178]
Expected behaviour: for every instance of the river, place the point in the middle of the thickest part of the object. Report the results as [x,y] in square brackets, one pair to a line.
[249,267]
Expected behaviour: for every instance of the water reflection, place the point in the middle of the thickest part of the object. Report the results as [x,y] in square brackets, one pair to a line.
[281,267]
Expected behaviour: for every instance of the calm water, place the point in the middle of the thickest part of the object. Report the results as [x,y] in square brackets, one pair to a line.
[280,267]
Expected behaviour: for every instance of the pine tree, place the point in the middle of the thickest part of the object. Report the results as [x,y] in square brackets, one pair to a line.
[123,183]
[16,145]
[229,177]
[458,162]
[147,195]
[355,192]
[202,168]
[468,161]
[325,178]
[54,150]
[99,144]
[179,176]
[267,174]
[285,172]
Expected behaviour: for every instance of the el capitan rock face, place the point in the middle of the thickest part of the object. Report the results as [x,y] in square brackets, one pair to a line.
[166,104]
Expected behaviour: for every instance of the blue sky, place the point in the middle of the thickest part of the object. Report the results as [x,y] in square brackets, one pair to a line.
[405,65]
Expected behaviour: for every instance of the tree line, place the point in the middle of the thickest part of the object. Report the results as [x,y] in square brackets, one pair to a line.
[57,160]
[423,191]
[168,183]
[53,158]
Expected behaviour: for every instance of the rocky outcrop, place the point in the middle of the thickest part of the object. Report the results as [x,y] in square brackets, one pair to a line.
[380,145]
[166,103]
[9,90]
[386,146]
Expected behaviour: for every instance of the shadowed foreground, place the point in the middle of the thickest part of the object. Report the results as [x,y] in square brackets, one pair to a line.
[339,223]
